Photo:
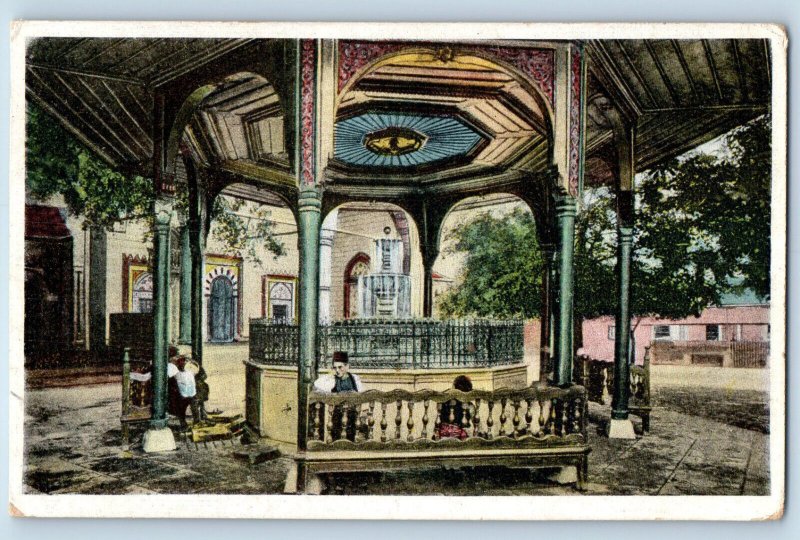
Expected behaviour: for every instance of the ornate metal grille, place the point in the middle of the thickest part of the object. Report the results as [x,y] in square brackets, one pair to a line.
[396,343]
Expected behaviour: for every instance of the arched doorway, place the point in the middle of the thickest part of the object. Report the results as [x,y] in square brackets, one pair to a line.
[222,310]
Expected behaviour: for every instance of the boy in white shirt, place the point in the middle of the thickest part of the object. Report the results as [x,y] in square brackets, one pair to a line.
[183,393]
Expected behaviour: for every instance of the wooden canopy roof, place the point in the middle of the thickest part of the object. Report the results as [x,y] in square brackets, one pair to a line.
[679,93]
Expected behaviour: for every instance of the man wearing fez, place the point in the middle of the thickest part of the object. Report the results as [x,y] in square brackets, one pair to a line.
[342,381]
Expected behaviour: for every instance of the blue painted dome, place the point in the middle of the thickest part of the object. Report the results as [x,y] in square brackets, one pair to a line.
[386,139]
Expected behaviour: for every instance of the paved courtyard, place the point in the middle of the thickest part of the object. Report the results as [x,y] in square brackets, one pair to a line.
[707,438]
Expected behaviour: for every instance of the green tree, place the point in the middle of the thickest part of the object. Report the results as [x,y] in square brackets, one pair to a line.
[56,163]
[502,272]
[701,230]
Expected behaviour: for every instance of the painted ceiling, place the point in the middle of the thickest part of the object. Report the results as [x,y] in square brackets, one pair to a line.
[386,139]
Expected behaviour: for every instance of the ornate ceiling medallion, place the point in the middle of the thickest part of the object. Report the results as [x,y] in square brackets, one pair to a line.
[394,141]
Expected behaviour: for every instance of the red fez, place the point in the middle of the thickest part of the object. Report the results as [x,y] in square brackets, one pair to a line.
[341,356]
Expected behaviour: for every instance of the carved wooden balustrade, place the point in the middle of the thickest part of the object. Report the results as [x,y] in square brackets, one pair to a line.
[530,427]
[598,378]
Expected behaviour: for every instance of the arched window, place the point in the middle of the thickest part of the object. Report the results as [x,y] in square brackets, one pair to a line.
[358,266]
[281,301]
[142,299]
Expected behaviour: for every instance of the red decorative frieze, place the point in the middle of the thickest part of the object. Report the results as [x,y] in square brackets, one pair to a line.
[536,64]
[355,55]
[308,54]
[575,123]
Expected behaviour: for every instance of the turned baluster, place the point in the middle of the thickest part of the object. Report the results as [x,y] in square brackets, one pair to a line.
[410,421]
[502,428]
[542,424]
[576,415]
[425,418]
[490,420]
[371,421]
[517,419]
[553,416]
[528,416]
[329,423]
[358,423]
[465,418]
[343,433]
[476,420]
[451,419]
[317,413]
[384,423]
[398,419]
[437,423]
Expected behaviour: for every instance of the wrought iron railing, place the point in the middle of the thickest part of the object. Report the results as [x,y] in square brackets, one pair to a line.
[396,343]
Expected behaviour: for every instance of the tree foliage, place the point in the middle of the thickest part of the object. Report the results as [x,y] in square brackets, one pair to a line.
[243,226]
[56,163]
[502,273]
[702,229]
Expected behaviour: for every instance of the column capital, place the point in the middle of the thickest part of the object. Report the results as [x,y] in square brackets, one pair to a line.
[162,208]
[625,234]
[566,205]
[309,199]
[548,249]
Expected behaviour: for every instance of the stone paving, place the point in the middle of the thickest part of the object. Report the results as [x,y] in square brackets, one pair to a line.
[73,437]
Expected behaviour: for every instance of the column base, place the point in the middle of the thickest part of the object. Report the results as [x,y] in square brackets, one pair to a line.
[621,429]
[290,484]
[158,440]
[565,475]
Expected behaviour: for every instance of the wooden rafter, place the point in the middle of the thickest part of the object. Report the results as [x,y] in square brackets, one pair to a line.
[195,61]
[685,66]
[636,74]
[739,72]
[607,74]
[149,44]
[660,68]
[69,126]
[43,87]
[135,99]
[767,64]
[713,67]
[124,109]
[114,114]
[84,73]
[85,106]
[94,55]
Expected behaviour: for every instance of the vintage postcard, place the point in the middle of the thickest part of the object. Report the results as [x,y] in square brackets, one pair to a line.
[449,271]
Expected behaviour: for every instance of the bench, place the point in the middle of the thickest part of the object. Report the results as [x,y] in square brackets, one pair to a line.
[534,427]
[137,395]
[597,376]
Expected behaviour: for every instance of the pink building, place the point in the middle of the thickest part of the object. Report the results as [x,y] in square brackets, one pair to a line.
[734,323]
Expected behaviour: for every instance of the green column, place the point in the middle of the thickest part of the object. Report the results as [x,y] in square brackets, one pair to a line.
[546,325]
[197,236]
[186,289]
[308,245]
[622,334]
[160,314]
[565,216]
[427,292]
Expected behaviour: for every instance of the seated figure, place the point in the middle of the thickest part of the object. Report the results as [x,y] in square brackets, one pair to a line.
[453,413]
